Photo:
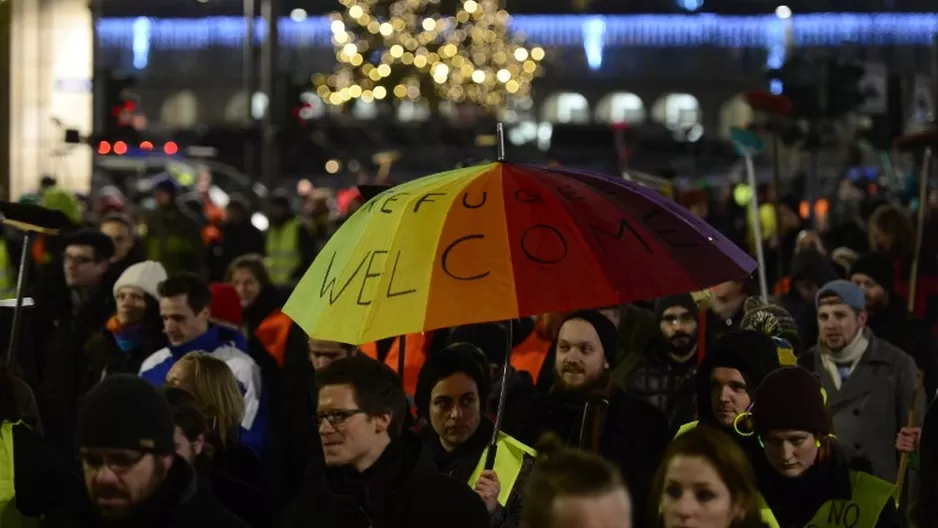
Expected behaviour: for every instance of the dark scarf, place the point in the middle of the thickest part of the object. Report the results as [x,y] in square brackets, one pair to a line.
[461,462]
[376,491]
[586,408]
[794,501]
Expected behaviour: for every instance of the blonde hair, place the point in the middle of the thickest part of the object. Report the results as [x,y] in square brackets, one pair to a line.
[214,386]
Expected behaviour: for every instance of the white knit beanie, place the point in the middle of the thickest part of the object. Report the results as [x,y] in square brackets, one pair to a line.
[145,276]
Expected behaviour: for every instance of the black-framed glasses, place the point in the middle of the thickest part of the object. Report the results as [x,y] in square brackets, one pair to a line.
[336,418]
[119,463]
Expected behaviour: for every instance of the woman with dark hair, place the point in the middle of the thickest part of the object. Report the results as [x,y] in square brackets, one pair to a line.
[806,478]
[135,331]
[706,481]
[450,399]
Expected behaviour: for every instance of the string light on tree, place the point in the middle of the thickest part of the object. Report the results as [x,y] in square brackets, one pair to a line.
[410,49]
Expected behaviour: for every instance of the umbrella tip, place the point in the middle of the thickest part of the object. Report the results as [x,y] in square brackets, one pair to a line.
[500,141]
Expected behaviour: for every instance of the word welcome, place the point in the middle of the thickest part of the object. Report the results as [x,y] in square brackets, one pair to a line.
[539,243]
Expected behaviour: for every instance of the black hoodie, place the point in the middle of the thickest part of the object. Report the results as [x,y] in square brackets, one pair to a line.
[754,355]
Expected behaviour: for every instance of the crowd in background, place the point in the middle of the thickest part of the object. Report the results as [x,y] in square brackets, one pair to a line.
[159,384]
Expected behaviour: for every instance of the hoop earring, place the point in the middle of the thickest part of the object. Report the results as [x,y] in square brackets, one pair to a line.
[740,417]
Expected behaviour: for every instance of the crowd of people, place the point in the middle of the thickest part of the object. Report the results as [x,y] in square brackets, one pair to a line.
[158,384]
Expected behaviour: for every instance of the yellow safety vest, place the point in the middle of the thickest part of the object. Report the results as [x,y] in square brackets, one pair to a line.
[283,251]
[7,273]
[869,495]
[509,457]
[689,426]
[10,516]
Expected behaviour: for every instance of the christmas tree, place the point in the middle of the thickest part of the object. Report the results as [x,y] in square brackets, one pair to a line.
[415,50]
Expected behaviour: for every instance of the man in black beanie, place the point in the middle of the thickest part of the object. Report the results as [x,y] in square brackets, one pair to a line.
[132,475]
[889,318]
[586,410]
[664,374]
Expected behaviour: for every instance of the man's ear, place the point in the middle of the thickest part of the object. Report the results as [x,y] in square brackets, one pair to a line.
[382,422]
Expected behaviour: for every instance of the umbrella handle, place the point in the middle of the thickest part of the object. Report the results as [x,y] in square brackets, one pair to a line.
[502,392]
[490,457]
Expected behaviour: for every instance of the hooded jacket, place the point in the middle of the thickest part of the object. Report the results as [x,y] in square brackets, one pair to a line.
[754,355]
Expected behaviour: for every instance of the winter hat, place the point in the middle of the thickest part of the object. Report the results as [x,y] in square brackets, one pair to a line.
[684,300]
[126,412]
[441,364]
[607,332]
[790,398]
[848,292]
[769,319]
[490,338]
[102,244]
[876,266]
[146,276]
[225,305]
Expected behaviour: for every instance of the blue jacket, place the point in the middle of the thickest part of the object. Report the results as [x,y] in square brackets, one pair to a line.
[229,346]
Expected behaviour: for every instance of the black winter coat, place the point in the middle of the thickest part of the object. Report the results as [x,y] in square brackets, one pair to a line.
[401,490]
[632,433]
[176,503]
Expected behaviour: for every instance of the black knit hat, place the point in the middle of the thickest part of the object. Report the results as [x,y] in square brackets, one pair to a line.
[102,244]
[126,412]
[457,358]
[876,266]
[790,398]
[607,332]
[684,300]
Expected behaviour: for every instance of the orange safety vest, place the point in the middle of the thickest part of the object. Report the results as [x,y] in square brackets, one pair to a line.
[415,353]
[530,354]
[273,333]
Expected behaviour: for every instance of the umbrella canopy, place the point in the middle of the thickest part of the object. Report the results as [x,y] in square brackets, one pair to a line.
[501,241]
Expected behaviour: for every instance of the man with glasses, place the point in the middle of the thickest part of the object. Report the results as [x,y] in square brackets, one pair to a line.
[375,472]
[72,319]
[131,472]
[664,375]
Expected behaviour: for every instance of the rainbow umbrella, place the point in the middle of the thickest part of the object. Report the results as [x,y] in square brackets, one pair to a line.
[500,241]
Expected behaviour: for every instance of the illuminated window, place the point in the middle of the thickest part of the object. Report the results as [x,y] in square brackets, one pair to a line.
[566,107]
[734,113]
[620,107]
[180,110]
[676,110]
[411,111]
